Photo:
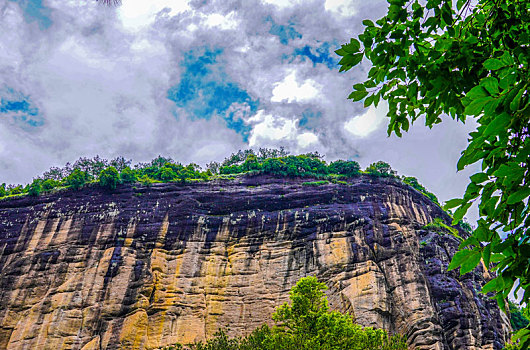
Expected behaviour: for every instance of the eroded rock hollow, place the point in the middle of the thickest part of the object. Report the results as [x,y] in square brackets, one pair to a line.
[144,267]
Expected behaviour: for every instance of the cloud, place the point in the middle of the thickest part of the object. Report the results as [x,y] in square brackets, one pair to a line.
[364,125]
[138,14]
[345,8]
[196,80]
[289,90]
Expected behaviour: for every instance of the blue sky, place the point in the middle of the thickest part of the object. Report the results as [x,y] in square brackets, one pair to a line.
[35,11]
[206,91]
[197,80]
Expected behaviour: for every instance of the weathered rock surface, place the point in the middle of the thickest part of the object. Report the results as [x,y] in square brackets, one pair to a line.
[140,268]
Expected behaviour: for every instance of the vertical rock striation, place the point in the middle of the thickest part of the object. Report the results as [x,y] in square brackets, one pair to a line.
[145,267]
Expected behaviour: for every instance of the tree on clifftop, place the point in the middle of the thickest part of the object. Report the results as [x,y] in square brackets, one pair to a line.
[464,59]
[109,178]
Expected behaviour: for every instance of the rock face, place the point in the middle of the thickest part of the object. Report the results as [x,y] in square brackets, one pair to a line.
[140,268]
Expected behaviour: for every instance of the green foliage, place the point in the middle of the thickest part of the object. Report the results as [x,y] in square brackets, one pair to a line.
[441,227]
[127,176]
[76,179]
[518,319]
[466,226]
[305,324]
[49,184]
[35,188]
[344,167]
[380,169]
[464,59]
[146,180]
[163,169]
[413,182]
[167,174]
[15,190]
[109,178]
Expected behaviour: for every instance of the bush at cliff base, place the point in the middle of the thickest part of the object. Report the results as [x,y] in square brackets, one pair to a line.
[306,323]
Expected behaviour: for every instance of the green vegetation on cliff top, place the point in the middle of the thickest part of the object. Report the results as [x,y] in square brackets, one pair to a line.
[110,174]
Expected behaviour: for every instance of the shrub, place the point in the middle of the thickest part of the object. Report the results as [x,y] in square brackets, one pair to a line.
[76,179]
[167,174]
[518,319]
[414,183]
[35,188]
[14,190]
[380,169]
[128,176]
[344,167]
[49,184]
[146,180]
[109,178]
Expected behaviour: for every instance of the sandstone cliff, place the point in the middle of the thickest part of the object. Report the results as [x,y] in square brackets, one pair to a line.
[143,267]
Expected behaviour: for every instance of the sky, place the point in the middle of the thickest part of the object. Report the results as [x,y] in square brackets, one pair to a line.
[197,81]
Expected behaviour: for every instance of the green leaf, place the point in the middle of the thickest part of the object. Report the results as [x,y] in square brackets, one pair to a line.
[505,170]
[477,92]
[475,107]
[368,101]
[471,241]
[354,45]
[341,52]
[368,23]
[458,259]
[466,259]
[490,107]
[491,84]
[359,87]
[471,262]
[498,125]
[517,99]
[492,285]
[460,212]
[506,58]
[493,64]
[507,80]
[486,255]
[455,202]
[472,40]
[525,332]
[519,196]
[358,95]
[479,178]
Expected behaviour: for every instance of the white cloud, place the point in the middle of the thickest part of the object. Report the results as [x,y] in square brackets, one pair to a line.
[289,90]
[267,128]
[364,125]
[282,4]
[137,14]
[218,20]
[306,139]
[345,8]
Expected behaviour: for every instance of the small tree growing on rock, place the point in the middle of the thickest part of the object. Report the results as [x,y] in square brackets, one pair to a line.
[109,178]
